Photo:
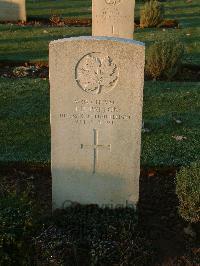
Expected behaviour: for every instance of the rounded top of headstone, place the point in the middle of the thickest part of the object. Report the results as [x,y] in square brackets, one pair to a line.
[98,38]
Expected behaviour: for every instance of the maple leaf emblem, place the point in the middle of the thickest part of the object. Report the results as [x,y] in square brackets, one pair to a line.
[96,73]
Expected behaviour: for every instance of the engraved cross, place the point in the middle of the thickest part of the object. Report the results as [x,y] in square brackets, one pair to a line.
[96,146]
[113,29]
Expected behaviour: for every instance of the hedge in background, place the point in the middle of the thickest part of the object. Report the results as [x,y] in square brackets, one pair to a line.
[164,59]
[151,14]
[188,192]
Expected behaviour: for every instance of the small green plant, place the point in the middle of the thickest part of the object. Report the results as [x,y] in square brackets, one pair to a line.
[188,192]
[164,59]
[151,14]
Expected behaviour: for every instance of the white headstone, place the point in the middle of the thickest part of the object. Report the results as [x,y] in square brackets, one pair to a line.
[96,117]
[12,10]
[113,18]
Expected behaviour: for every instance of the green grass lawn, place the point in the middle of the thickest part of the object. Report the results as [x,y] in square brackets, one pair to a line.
[24,103]
[30,43]
[25,130]
[64,8]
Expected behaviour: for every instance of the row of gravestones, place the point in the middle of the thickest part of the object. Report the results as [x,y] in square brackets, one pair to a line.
[96,86]
[110,17]
[96,109]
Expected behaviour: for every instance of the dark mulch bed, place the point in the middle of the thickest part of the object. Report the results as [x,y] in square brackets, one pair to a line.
[53,21]
[157,209]
[41,70]
[20,70]
[79,22]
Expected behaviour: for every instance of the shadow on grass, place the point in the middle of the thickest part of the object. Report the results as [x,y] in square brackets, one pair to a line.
[192,20]
[157,207]
[6,7]
[43,36]
[189,6]
[63,14]
[158,213]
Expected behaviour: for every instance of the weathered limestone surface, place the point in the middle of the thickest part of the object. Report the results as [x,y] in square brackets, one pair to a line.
[113,18]
[96,86]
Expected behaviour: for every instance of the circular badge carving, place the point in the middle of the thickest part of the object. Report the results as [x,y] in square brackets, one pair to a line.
[112,2]
[96,73]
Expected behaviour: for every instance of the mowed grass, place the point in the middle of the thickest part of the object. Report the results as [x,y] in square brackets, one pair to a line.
[171,114]
[25,127]
[24,120]
[171,110]
[30,43]
[63,8]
